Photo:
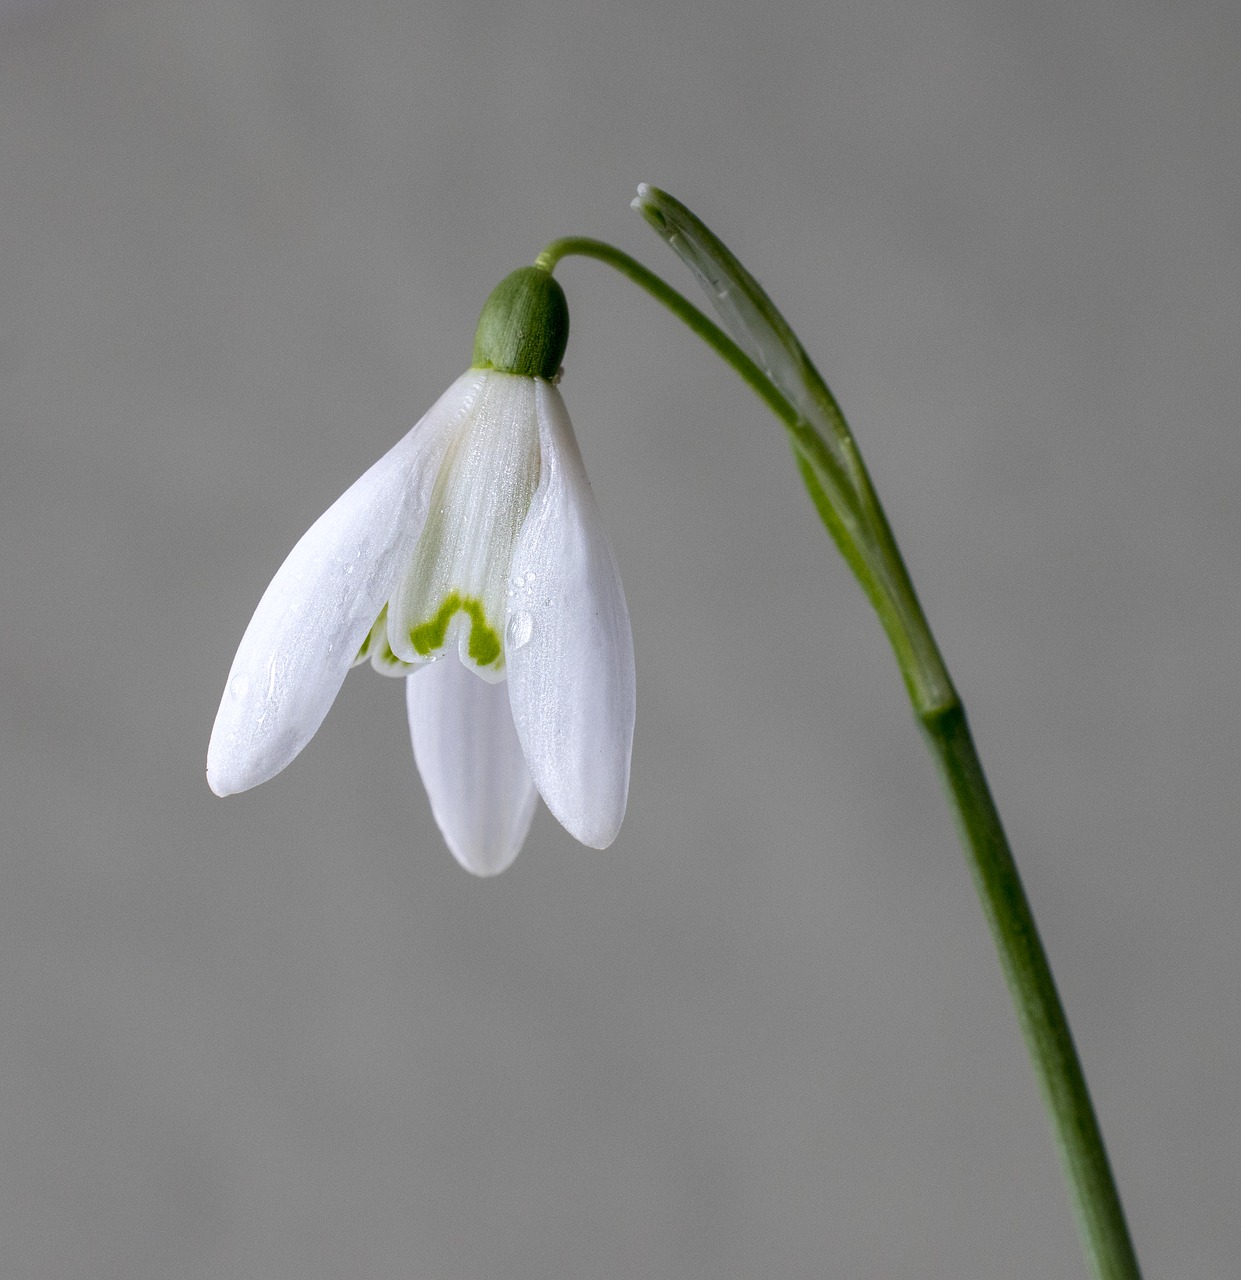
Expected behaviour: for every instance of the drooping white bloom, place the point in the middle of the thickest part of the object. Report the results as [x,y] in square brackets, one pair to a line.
[472,560]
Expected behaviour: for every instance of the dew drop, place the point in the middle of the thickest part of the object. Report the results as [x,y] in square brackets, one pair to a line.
[237,686]
[519,630]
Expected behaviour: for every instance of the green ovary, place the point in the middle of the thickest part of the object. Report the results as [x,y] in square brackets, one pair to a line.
[484,648]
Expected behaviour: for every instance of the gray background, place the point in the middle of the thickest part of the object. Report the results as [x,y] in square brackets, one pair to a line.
[243,245]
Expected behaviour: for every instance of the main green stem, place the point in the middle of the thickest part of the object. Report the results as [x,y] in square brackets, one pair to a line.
[941,715]
[1096,1202]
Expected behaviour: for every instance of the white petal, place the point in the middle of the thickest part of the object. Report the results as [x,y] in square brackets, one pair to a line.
[317,611]
[455,594]
[569,647]
[467,751]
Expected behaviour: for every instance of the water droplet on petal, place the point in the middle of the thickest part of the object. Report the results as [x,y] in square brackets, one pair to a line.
[519,630]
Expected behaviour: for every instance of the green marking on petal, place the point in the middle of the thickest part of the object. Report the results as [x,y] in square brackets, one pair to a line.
[429,636]
[484,648]
[484,643]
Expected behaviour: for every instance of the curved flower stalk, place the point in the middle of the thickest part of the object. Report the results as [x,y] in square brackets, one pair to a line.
[826,452]
[470,560]
[764,352]
[836,478]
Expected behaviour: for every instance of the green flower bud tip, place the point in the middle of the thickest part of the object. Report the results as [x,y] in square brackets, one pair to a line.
[524,328]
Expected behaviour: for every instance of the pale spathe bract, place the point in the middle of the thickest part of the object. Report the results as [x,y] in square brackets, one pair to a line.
[470,560]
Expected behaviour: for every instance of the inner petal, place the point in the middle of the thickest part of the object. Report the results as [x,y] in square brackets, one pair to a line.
[379,651]
[457,586]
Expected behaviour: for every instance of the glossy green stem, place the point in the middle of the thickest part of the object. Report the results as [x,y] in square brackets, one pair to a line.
[941,715]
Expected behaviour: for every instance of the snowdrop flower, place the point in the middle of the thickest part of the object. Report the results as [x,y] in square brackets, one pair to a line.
[471,560]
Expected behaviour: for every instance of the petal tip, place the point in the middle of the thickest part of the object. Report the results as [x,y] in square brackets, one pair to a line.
[230,768]
[591,806]
[483,863]
[222,779]
[466,749]
[594,830]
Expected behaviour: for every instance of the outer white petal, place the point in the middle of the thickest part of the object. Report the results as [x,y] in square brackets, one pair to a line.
[569,647]
[317,611]
[467,751]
